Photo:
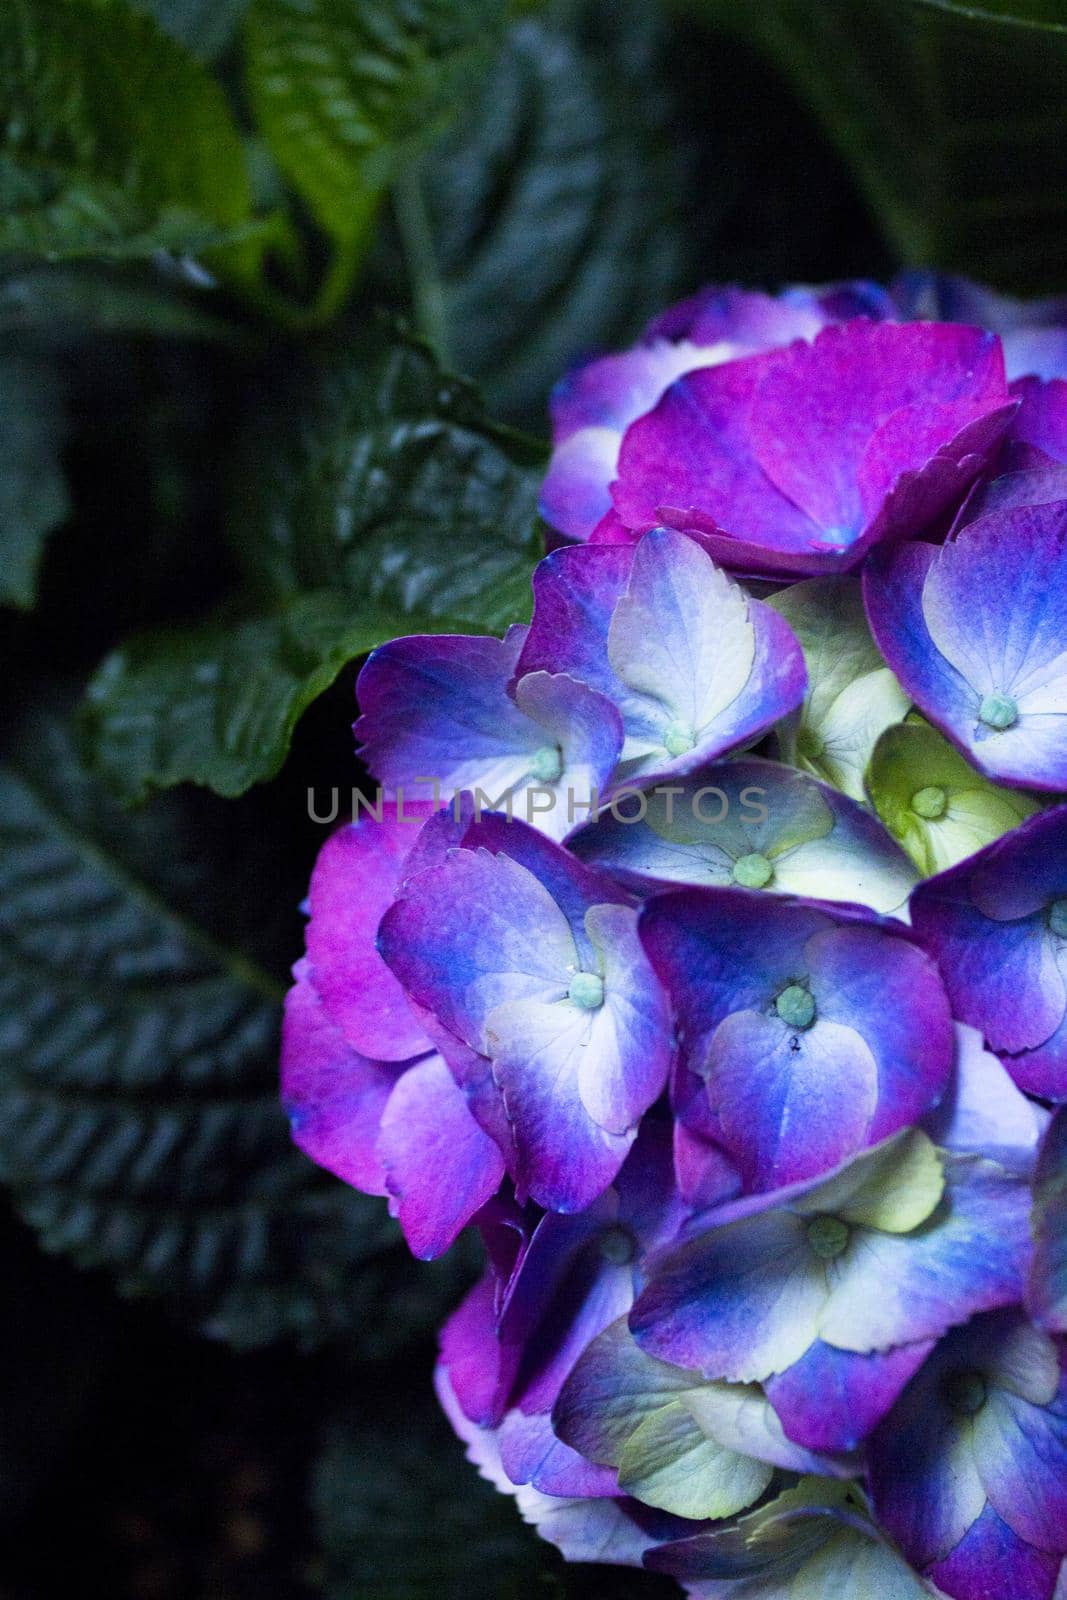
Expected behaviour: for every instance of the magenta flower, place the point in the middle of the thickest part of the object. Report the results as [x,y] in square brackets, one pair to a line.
[594,404]
[801,460]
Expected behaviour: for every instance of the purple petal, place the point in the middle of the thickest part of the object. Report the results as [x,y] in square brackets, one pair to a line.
[1021,1452]
[1047,1291]
[587,730]
[531,1453]
[355,879]
[899,420]
[575,593]
[878,1054]
[440,1167]
[691,462]
[334,1097]
[1041,420]
[436,707]
[699,661]
[571,1285]
[984,619]
[983,1113]
[991,1562]
[828,415]
[480,929]
[740,1302]
[594,404]
[973,1255]
[986,922]
[830,1400]
[575,493]
[612,1531]
[790,1105]
[481,1369]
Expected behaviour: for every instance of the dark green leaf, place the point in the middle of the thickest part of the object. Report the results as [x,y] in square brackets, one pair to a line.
[951,115]
[379,501]
[217,704]
[385,476]
[33,489]
[556,207]
[115,141]
[1028,13]
[402,1516]
[139,1120]
[344,89]
[206,27]
[58,302]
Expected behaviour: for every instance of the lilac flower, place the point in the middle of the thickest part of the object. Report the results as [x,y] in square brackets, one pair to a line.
[442,713]
[801,460]
[815,1032]
[755,823]
[976,631]
[595,403]
[695,666]
[531,966]
[367,1096]
[892,1249]
[969,1471]
[997,924]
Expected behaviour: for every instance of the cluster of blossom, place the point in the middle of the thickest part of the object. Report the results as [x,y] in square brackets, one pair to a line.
[753,1102]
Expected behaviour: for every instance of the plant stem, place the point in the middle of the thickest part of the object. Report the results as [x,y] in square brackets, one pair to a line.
[421,258]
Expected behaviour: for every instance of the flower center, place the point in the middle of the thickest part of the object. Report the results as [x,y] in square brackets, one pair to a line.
[587,990]
[929,803]
[998,711]
[967,1393]
[809,745]
[1057,918]
[617,1246]
[753,872]
[546,763]
[828,1237]
[678,739]
[796,1006]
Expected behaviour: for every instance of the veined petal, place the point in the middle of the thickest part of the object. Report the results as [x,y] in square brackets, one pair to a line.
[334,1096]
[440,1167]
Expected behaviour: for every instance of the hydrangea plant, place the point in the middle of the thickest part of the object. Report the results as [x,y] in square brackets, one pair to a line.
[704,947]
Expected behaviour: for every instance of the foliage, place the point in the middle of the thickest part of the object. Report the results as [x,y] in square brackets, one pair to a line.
[947,113]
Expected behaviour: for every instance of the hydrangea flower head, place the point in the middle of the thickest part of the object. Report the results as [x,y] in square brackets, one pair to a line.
[706,953]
